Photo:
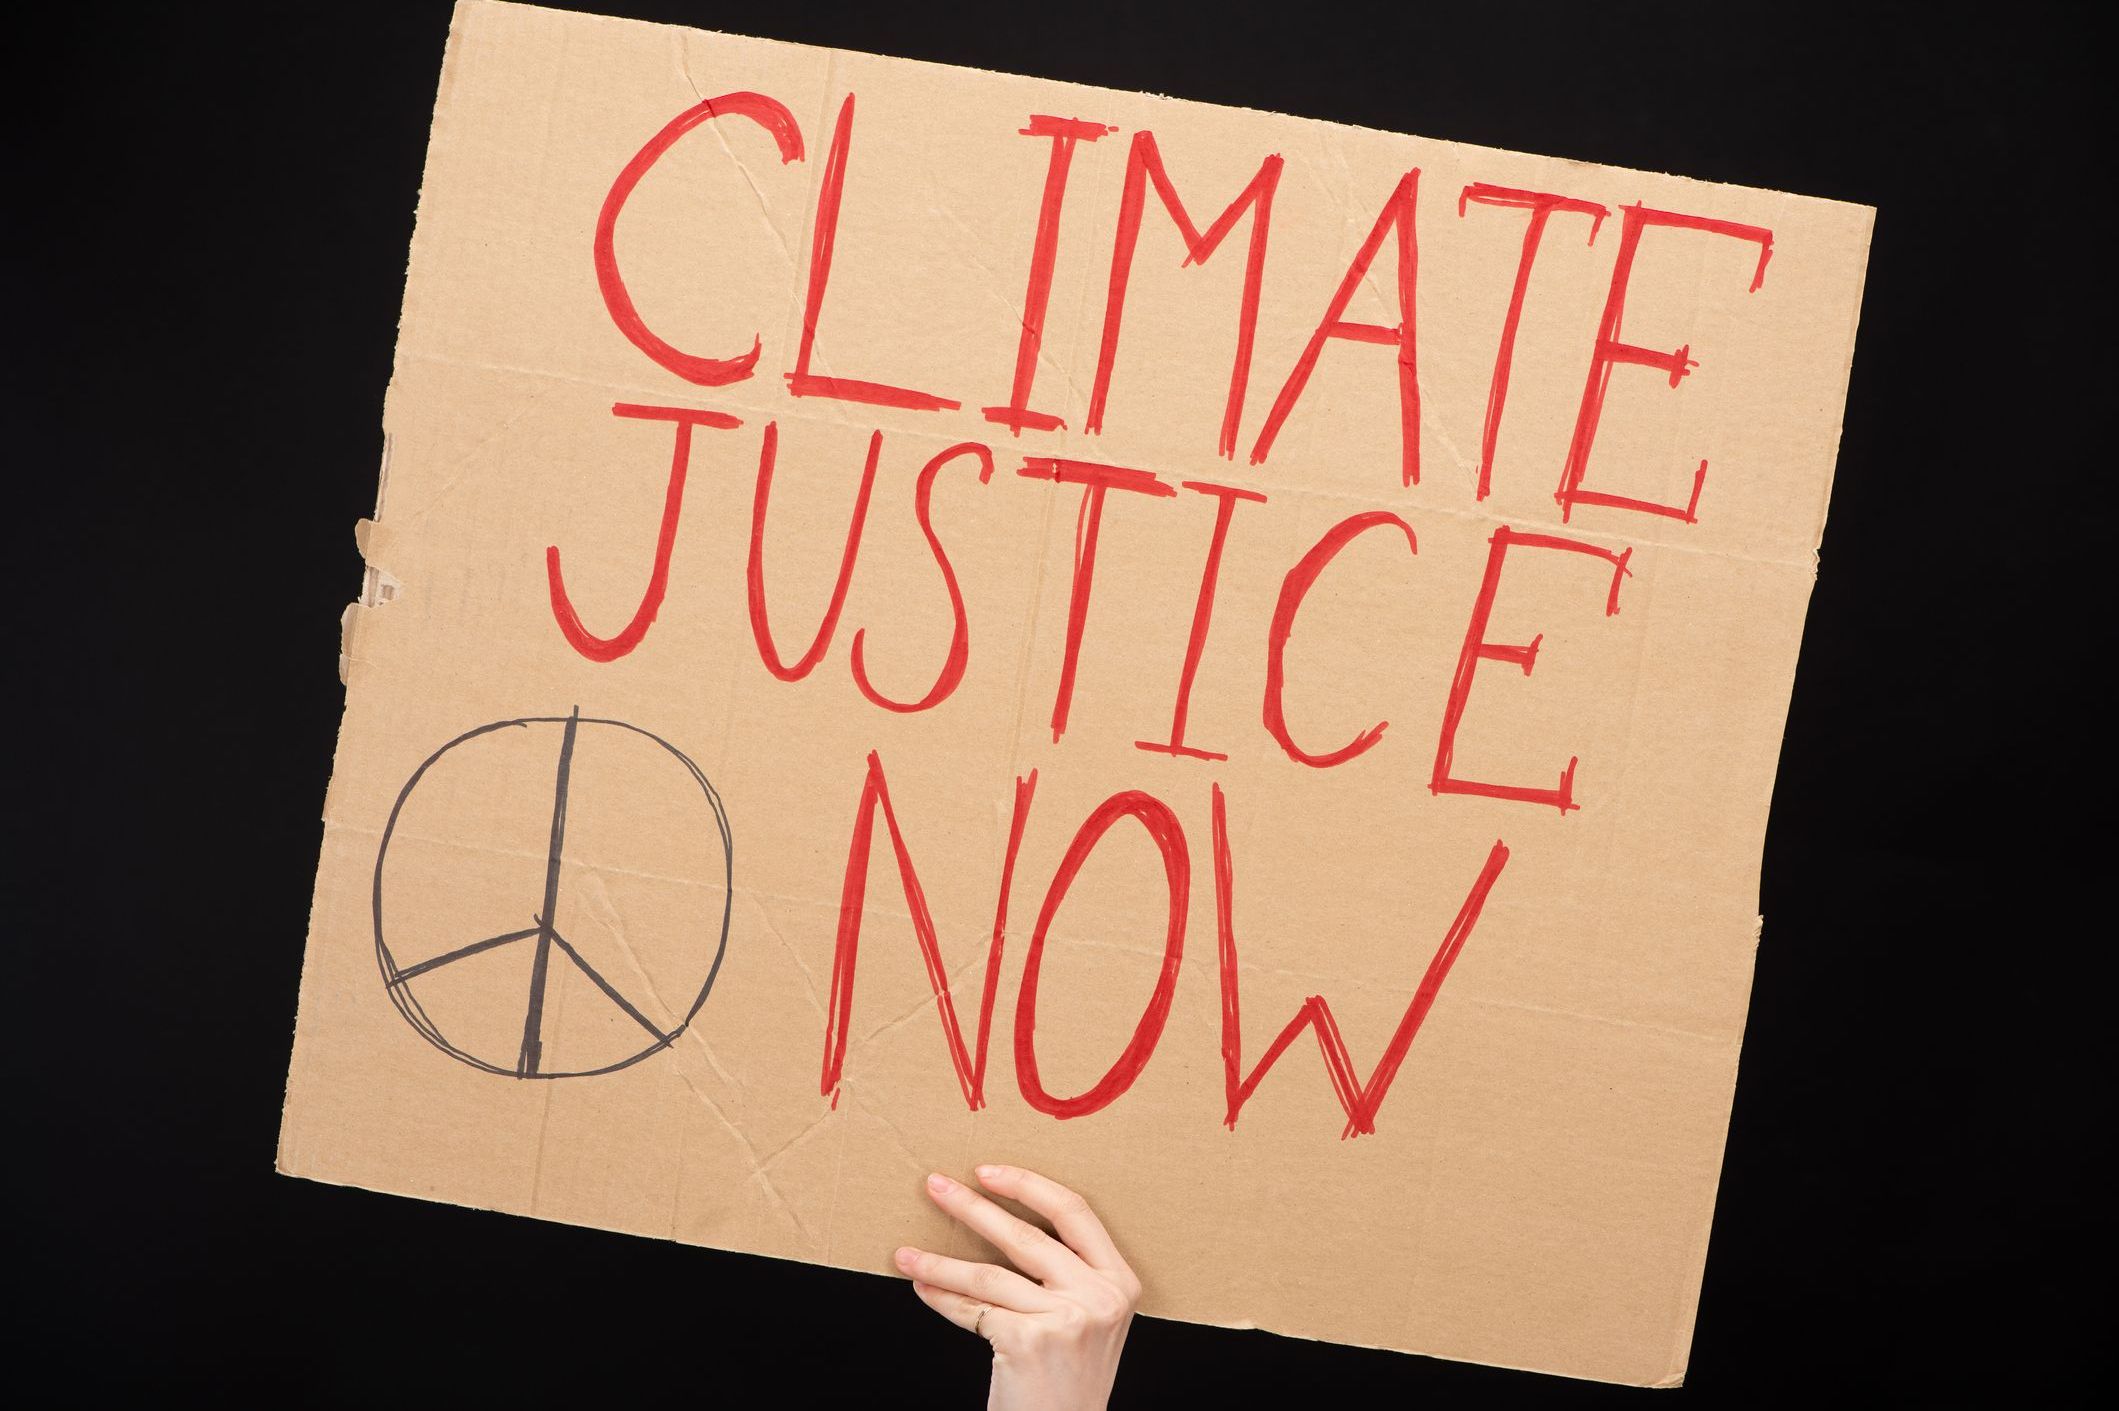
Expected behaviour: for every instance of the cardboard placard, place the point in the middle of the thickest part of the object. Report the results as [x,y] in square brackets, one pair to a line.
[917,616]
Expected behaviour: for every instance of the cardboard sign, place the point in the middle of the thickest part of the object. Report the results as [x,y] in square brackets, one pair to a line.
[917,616]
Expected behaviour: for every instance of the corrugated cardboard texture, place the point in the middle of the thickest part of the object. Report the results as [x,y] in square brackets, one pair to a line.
[1505,1146]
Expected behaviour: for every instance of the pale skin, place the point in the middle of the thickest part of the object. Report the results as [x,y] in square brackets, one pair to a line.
[1057,1320]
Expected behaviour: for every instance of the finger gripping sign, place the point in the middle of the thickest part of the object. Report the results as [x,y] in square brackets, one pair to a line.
[918,616]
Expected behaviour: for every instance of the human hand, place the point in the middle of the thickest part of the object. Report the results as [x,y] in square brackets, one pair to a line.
[1057,1333]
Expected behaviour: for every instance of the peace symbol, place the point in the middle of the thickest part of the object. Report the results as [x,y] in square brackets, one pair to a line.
[549,948]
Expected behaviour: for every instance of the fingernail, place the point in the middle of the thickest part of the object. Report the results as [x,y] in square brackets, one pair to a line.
[906,1256]
[987,1173]
[940,1184]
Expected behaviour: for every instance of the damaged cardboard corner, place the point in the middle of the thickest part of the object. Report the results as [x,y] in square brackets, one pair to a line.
[377,585]
[957,612]
[378,588]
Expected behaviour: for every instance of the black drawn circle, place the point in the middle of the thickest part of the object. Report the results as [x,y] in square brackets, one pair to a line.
[396,979]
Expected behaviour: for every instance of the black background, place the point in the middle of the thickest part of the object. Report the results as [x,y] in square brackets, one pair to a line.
[210,214]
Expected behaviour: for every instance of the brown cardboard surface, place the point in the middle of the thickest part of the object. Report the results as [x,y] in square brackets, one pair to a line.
[679,1030]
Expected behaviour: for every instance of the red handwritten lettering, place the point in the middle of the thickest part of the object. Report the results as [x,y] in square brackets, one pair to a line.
[1044,251]
[1225,498]
[1169,839]
[960,632]
[579,637]
[1360,1100]
[970,1064]
[760,621]
[1611,352]
[1144,164]
[1478,649]
[1541,206]
[1095,480]
[707,372]
[1293,589]
[1396,218]
[823,236]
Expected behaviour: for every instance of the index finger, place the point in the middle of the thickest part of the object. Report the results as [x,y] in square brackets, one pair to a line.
[1069,1213]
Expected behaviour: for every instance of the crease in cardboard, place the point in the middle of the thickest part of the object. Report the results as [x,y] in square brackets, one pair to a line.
[682,45]
[1292,493]
[809,976]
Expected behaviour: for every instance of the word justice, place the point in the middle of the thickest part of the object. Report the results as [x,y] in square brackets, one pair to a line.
[1096,484]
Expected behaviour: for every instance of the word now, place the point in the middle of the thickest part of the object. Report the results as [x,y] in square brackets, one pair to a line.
[1359,1099]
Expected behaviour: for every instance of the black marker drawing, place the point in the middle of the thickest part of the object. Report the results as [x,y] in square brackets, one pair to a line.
[529,1060]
